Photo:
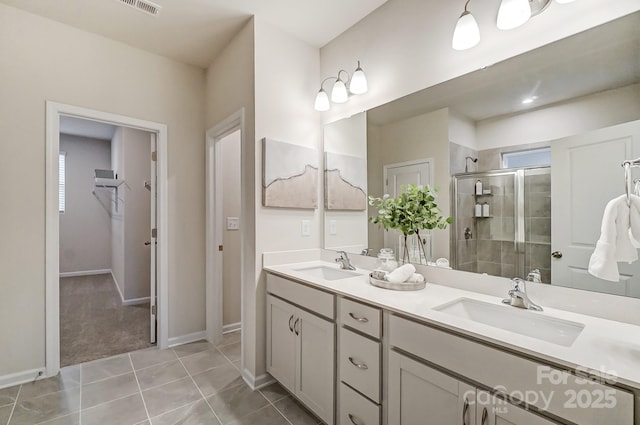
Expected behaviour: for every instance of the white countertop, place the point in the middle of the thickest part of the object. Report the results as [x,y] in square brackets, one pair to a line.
[603,346]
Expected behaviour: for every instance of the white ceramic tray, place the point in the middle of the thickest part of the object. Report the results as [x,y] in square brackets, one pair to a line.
[396,286]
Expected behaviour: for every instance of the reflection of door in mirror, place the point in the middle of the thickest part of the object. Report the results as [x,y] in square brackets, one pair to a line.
[590,178]
[398,176]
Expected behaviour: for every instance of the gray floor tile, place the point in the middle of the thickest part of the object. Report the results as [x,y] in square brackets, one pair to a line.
[9,395]
[5,412]
[295,412]
[151,357]
[69,377]
[205,360]
[106,368]
[192,348]
[236,403]
[35,410]
[197,413]
[72,419]
[274,392]
[124,411]
[108,390]
[230,338]
[265,416]
[161,374]
[219,379]
[170,396]
[232,351]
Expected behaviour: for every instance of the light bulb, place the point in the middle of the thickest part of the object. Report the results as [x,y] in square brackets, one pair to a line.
[467,34]
[358,83]
[339,92]
[513,13]
[322,101]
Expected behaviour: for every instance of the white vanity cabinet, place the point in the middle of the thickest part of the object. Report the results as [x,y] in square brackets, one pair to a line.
[301,344]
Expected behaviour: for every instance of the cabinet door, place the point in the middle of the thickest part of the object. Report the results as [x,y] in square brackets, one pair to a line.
[495,411]
[281,342]
[315,364]
[420,395]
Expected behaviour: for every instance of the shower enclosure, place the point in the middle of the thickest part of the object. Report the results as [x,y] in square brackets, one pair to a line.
[512,238]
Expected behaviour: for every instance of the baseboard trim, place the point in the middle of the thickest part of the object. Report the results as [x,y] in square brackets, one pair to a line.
[22,377]
[185,339]
[85,273]
[136,301]
[115,282]
[257,382]
[231,327]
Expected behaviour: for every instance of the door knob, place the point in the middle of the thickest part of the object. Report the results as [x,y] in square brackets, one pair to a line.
[147,243]
[556,254]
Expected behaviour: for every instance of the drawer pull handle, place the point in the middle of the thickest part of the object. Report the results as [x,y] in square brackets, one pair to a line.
[485,415]
[358,365]
[295,326]
[290,325]
[355,420]
[465,408]
[359,319]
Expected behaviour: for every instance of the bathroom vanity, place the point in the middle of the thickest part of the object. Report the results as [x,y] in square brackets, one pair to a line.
[359,355]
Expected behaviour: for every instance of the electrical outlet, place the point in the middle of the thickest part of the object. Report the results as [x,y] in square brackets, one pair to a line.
[306,228]
[233,223]
[333,227]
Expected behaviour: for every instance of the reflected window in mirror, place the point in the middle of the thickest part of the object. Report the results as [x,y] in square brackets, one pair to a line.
[527,158]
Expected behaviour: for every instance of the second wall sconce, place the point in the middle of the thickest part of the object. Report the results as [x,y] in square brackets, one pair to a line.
[357,84]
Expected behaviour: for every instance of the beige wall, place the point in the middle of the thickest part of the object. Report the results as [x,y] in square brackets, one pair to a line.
[45,60]
[85,226]
[231,174]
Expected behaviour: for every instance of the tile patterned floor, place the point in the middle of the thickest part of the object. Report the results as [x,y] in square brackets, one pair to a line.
[191,384]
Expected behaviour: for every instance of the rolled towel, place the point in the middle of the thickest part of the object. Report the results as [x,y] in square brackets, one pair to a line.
[401,274]
[415,278]
[379,274]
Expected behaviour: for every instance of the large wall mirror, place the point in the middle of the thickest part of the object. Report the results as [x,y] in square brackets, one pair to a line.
[544,132]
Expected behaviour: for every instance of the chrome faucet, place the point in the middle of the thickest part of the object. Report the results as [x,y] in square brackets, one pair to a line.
[344,261]
[518,296]
[366,251]
[534,276]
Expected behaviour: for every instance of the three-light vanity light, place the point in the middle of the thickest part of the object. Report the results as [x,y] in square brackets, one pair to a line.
[357,84]
[511,14]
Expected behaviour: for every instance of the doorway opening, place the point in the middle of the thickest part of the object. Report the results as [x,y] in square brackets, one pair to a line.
[71,248]
[225,219]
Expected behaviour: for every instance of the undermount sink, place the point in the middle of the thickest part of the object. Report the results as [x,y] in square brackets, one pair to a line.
[328,273]
[524,322]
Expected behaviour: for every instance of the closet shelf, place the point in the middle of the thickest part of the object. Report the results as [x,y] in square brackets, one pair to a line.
[100,182]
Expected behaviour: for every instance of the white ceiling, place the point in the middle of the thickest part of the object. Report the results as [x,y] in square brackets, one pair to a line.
[195,31]
[87,128]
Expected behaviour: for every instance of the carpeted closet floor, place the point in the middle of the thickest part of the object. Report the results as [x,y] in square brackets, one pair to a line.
[93,322]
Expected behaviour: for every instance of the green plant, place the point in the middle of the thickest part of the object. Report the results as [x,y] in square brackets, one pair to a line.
[415,209]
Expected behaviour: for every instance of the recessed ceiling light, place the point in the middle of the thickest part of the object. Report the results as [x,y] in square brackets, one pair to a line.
[528,100]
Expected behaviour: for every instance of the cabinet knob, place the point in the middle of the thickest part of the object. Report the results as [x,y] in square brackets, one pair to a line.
[556,254]
[358,365]
[290,325]
[355,420]
[485,416]
[359,319]
[465,409]
[295,326]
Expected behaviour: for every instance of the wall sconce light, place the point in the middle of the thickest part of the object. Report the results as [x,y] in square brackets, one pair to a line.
[339,93]
[511,14]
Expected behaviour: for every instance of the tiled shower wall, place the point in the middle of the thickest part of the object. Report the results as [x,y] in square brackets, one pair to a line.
[538,222]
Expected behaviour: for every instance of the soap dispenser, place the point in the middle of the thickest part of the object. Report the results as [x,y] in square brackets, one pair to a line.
[478,187]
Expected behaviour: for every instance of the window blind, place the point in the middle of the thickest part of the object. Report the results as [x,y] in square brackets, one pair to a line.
[61,181]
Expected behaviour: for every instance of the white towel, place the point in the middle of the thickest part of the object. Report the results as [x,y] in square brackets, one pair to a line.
[401,274]
[614,244]
[634,220]
[415,278]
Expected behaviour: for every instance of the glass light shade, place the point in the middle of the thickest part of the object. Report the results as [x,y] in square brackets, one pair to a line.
[513,13]
[564,1]
[467,34]
[358,83]
[339,93]
[322,101]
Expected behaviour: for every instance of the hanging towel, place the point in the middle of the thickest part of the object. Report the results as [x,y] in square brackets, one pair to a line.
[614,244]
[401,274]
[634,220]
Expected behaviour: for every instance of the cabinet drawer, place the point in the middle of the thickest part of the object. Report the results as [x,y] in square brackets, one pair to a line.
[319,302]
[360,363]
[356,410]
[514,375]
[361,317]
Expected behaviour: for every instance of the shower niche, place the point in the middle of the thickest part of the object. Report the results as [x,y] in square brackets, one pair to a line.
[509,234]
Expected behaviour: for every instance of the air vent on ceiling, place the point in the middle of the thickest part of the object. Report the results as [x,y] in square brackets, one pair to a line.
[144,6]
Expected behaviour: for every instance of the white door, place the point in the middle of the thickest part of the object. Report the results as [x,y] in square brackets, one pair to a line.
[396,176]
[586,174]
[153,240]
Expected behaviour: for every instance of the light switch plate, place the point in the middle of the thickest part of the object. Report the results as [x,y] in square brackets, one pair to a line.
[233,223]
[306,228]
[333,227]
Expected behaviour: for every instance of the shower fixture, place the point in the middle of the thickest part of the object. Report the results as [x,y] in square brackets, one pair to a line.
[466,163]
